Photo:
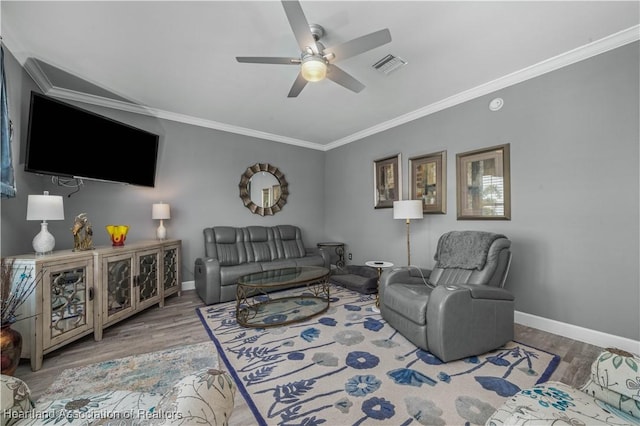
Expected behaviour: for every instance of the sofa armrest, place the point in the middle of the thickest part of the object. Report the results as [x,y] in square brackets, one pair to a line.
[205,397]
[326,258]
[15,399]
[207,279]
[617,371]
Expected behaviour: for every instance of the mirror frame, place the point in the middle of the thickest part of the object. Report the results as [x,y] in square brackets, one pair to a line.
[246,197]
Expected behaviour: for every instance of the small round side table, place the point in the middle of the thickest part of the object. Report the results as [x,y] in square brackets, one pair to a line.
[380,265]
[339,250]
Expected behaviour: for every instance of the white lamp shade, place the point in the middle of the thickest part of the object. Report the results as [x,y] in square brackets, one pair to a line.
[45,207]
[161,211]
[407,209]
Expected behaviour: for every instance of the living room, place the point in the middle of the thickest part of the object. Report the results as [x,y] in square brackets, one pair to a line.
[575,189]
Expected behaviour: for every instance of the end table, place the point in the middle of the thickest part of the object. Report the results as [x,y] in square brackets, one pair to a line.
[338,249]
[380,265]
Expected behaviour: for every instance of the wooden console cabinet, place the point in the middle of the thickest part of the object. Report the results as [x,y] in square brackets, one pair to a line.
[84,292]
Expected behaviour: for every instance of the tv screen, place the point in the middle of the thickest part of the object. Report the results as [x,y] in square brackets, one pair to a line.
[64,140]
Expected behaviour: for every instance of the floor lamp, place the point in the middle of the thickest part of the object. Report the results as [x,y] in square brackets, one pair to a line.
[407,209]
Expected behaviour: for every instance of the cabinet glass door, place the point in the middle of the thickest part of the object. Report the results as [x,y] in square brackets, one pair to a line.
[68,302]
[119,286]
[170,263]
[148,278]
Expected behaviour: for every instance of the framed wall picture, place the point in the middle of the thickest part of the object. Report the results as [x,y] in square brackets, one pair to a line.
[484,183]
[387,185]
[428,181]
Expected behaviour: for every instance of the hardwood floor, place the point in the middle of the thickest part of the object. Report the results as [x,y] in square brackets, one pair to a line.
[177,324]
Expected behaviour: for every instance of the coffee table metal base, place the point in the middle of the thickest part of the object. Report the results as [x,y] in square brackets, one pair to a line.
[259,307]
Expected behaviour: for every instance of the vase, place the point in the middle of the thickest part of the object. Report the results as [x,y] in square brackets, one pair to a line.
[118,234]
[10,349]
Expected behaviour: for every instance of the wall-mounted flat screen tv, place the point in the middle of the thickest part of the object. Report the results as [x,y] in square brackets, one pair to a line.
[64,140]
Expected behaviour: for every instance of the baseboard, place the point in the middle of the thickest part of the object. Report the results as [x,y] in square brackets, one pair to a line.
[188,285]
[593,337]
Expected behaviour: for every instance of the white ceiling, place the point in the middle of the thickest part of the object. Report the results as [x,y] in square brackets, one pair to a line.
[177,59]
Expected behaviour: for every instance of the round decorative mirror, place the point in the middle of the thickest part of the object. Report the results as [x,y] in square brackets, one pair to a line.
[263,189]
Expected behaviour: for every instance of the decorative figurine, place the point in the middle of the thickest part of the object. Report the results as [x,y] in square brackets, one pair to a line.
[82,233]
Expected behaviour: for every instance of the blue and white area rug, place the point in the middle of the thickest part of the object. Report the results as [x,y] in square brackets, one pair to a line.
[348,367]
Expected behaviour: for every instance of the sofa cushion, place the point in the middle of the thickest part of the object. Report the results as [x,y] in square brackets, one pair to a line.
[225,244]
[229,275]
[289,242]
[259,244]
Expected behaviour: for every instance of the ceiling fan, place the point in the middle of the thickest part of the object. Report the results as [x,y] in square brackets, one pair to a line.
[316,61]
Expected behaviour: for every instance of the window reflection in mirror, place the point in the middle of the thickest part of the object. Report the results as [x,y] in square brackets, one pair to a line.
[265,189]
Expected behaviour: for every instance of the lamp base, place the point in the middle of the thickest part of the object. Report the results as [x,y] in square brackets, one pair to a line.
[161,233]
[44,242]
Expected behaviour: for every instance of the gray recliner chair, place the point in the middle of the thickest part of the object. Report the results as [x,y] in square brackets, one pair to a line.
[459,308]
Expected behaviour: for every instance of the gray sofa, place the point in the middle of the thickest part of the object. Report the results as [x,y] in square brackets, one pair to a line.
[231,252]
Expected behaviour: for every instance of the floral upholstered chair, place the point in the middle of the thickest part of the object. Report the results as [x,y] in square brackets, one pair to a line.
[611,396]
[204,397]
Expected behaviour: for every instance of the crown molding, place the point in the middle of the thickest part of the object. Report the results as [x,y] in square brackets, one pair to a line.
[581,53]
[562,60]
[37,74]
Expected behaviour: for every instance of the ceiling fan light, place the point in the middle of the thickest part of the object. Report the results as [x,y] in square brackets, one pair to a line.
[313,68]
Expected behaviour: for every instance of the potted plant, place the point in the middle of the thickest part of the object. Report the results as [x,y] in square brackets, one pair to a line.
[16,286]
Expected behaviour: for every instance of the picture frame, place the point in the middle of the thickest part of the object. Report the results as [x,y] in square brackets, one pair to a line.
[387,181]
[428,181]
[484,184]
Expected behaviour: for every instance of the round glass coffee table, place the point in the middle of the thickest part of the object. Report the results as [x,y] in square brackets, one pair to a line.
[258,307]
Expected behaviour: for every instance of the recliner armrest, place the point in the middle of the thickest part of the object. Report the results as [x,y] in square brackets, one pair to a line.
[482,291]
[403,275]
[468,319]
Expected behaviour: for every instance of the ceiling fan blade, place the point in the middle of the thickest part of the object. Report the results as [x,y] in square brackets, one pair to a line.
[299,25]
[268,60]
[339,76]
[360,45]
[297,87]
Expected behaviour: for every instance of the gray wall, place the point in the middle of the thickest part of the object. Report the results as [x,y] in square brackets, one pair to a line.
[575,188]
[575,193]
[198,174]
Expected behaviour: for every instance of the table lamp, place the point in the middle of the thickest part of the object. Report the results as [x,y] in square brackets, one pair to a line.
[44,207]
[407,209]
[161,211]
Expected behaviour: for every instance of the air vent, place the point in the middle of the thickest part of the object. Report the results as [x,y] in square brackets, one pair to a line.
[389,64]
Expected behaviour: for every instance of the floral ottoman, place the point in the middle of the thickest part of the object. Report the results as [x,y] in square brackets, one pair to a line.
[610,397]
[205,397]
